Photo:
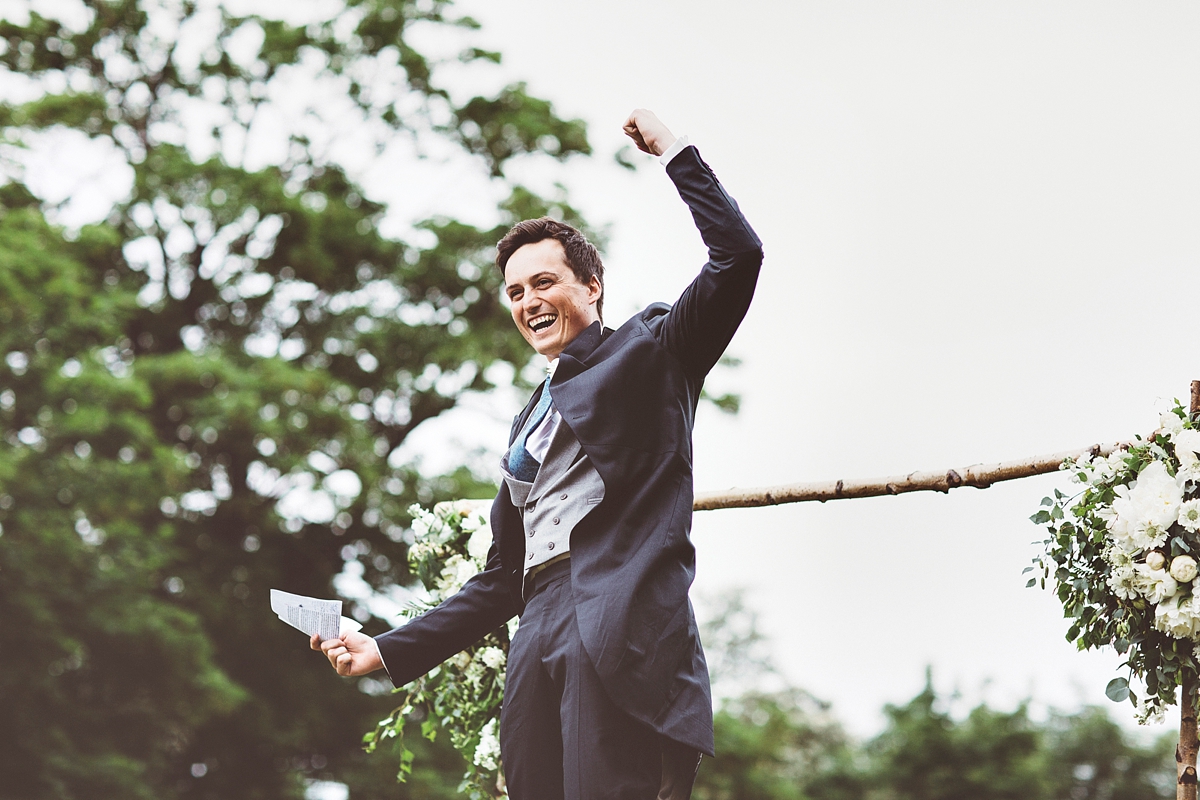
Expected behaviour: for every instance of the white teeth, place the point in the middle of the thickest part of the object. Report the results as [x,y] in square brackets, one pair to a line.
[544,318]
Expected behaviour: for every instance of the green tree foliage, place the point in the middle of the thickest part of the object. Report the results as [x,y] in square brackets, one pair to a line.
[778,746]
[780,743]
[785,746]
[234,335]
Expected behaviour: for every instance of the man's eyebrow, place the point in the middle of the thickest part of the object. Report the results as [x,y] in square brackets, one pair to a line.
[533,277]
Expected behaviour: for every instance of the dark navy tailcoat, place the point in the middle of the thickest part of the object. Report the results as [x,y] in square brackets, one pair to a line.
[629,396]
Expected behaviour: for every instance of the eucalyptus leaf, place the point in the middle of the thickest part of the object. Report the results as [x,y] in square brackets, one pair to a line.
[1117,690]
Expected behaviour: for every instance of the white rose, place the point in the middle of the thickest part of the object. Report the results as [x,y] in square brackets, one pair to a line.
[479,544]
[492,657]
[1155,560]
[1183,568]
[455,572]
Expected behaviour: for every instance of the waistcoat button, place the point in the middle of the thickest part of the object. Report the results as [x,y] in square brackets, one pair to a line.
[550,546]
[556,520]
[531,556]
[564,496]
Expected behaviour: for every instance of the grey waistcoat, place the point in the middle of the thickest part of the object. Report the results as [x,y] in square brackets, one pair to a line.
[566,488]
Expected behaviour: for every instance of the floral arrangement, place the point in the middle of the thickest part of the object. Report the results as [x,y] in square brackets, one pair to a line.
[1122,558]
[462,696]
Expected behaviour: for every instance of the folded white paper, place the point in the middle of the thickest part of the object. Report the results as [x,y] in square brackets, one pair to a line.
[312,615]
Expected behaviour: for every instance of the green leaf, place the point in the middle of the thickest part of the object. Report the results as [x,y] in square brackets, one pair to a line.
[1117,689]
[1030,582]
[1046,501]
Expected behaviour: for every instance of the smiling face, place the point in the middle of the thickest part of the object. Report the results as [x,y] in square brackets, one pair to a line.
[550,306]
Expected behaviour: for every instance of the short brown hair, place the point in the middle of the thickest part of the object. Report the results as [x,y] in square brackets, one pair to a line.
[582,256]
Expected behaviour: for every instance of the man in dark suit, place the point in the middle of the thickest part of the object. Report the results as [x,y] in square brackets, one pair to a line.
[607,690]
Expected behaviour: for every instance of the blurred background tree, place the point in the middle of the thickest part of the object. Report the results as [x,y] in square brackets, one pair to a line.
[777,742]
[203,396]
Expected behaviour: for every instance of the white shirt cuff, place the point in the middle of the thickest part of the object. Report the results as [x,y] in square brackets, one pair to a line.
[380,652]
[673,150]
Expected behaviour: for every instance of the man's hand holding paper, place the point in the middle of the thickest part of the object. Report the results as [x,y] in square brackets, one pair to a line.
[352,654]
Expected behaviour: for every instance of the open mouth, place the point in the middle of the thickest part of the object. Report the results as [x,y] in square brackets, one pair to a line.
[539,324]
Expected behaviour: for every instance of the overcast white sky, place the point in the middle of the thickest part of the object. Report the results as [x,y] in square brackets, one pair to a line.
[982,244]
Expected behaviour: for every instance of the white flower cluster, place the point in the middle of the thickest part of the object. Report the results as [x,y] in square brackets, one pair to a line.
[450,546]
[434,533]
[1138,525]
[487,753]
[1149,713]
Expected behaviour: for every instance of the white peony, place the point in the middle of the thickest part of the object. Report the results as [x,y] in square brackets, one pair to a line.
[1155,560]
[1156,585]
[1178,616]
[487,753]
[1183,568]
[1145,510]
[1189,515]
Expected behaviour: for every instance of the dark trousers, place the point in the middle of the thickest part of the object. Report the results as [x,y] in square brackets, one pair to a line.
[561,738]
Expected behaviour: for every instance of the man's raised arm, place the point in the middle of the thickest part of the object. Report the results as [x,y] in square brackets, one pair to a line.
[708,312]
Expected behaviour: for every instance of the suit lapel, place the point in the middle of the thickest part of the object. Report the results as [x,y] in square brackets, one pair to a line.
[524,415]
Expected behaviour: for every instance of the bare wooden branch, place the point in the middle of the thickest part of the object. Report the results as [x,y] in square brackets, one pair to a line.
[980,476]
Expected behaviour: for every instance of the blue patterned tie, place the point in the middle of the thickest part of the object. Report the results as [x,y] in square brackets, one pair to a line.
[521,463]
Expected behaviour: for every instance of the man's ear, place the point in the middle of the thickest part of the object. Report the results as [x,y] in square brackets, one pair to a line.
[595,290]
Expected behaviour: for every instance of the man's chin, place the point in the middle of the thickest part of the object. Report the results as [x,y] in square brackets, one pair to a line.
[548,344]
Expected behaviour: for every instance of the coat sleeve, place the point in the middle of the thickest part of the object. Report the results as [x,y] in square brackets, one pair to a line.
[480,607]
[703,320]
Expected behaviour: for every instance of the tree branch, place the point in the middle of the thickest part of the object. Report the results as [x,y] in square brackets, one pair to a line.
[980,476]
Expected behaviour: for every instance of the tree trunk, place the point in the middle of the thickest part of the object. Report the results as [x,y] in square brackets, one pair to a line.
[1185,752]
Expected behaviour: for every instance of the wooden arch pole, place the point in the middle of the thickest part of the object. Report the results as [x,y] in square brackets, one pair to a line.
[1185,752]
[979,476]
